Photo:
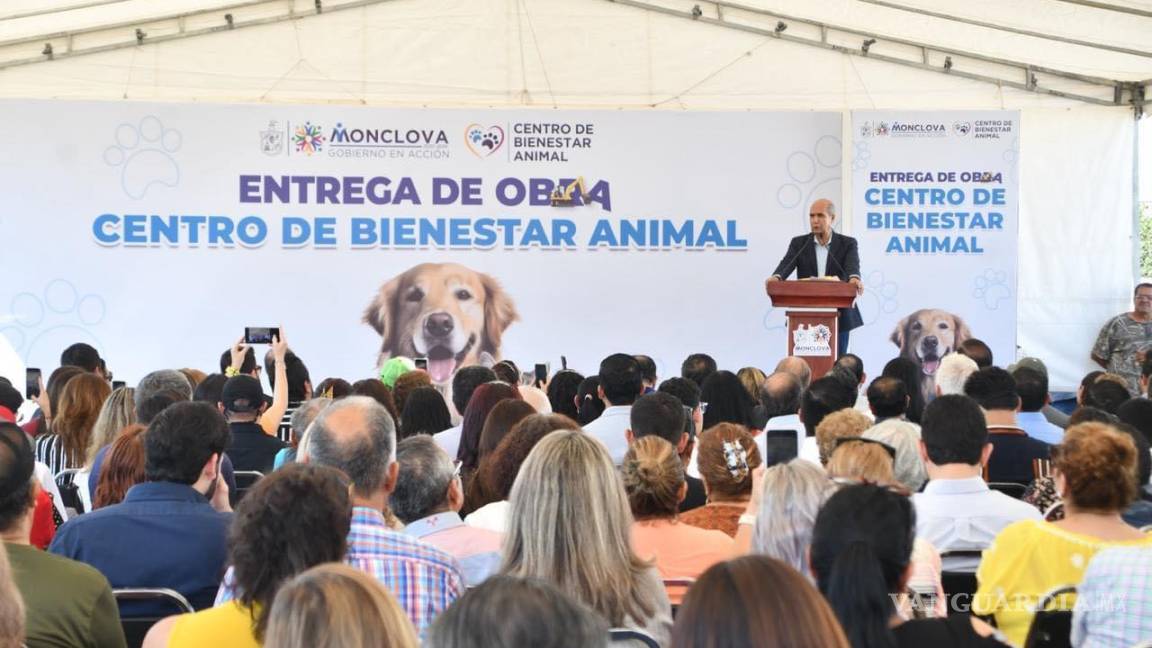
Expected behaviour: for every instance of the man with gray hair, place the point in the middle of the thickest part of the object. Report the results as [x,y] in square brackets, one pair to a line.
[357,436]
[781,393]
[428,498]
[798,368]
[952,373]
[165,382]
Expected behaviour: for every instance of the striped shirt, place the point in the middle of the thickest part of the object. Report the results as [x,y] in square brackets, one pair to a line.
[424,579]
[50,452]
[1114,601]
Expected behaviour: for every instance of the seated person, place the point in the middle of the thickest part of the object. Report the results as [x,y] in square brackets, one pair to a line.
[654,480]
[1013,450]
[861,553]
[242,405]
[316,532]
[172,509]
[66,603]
[957,511]
[1093,469]
[427,500]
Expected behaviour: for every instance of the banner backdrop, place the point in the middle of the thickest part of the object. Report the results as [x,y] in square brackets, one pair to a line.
[157,232]
[935,205]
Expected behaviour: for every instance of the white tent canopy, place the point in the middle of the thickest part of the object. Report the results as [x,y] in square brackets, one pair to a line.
[1077,156]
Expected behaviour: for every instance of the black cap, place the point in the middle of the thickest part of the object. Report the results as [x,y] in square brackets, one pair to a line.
[10,397]
[242,394]
[16,459]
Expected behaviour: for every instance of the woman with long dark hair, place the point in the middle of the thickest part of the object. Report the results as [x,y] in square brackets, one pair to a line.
[861,552]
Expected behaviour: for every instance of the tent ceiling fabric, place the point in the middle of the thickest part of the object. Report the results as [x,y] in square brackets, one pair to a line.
[1076,160]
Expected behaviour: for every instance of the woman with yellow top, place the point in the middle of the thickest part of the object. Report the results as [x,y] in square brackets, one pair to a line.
[1095,470]
[293,519]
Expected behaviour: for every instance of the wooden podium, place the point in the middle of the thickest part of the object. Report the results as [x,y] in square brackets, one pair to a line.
[812,318]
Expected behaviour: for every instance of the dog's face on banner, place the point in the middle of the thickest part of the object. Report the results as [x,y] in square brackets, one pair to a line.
[928,335]
[445,312]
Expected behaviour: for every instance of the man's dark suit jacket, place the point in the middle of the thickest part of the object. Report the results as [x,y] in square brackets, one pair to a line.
[843,262]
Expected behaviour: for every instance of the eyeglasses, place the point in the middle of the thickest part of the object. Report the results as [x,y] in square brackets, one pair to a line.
[842,440]
[456,466]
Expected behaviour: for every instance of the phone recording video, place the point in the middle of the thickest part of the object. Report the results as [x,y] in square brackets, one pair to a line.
[32,383]
[260,334]
[422,363]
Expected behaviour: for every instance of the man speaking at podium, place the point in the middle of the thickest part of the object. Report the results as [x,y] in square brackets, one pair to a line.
[825,254]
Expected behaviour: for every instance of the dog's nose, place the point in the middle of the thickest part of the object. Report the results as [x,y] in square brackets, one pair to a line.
[931,342]
[438,324]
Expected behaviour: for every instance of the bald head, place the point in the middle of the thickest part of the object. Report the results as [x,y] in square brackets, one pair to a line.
[780,394]
[798,368]
[357,436]
[821,217]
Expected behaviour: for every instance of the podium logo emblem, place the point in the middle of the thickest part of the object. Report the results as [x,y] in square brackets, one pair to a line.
[812,340]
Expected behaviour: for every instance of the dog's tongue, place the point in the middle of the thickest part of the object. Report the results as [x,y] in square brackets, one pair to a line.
[441,369]
[930,366]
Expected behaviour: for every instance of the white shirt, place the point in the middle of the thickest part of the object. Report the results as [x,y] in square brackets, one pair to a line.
[493,517]
[964,514]
[609,429]
[449,440]
[821,254]
[48,483]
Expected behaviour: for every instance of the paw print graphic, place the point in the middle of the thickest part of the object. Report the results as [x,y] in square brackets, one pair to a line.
[879,297]
[811,174]
[991,288]
[489,141]
[48,321]
[143,153]
[475,135]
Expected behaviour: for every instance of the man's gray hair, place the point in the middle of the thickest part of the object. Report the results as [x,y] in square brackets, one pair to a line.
[165,381]
[305,414]
[953,372]
[362,451]
[425,474]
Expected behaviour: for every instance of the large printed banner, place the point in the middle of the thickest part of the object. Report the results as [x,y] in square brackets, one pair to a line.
[935,204]
[157,232]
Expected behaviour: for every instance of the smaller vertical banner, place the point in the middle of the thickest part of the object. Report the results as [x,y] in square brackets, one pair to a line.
[935,211]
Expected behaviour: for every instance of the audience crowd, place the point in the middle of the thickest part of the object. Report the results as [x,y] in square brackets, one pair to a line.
[709,509]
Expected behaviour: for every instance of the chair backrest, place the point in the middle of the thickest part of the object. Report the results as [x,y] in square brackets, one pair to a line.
[69,490]
[245,480]
[959,586]
[1051,628]
[135,628]
[1010,489]
[1054,512]
[621,635]
[1041,468]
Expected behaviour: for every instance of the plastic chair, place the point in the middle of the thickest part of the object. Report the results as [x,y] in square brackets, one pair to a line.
[679,586]
[69,491]
[620,635]
[1041,468]
[1011,489]
[1051,628]
[1053,511]
[245,480]
[959,586]
[135,628]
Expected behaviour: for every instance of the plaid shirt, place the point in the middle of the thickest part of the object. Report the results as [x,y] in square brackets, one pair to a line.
[424,579]
[1114,601]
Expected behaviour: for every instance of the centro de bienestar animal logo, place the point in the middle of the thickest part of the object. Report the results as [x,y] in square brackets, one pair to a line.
[309,138]
[483,141]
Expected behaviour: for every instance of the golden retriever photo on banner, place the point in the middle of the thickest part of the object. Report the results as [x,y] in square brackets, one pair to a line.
[924,337]
[452,315]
